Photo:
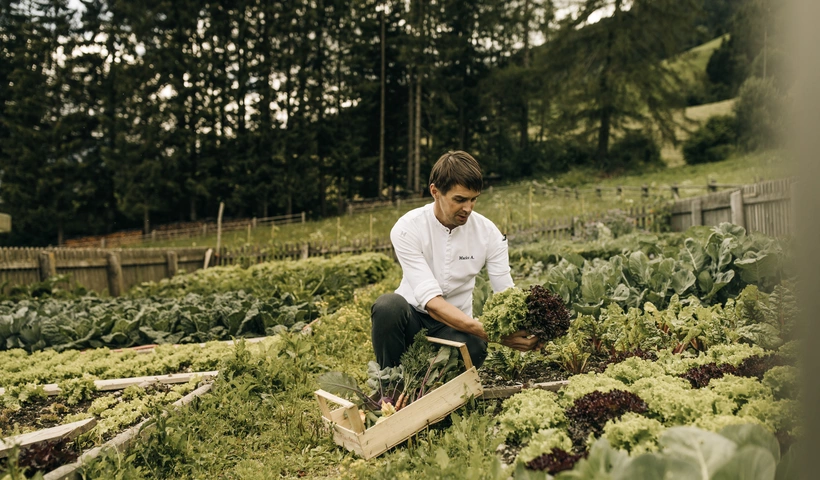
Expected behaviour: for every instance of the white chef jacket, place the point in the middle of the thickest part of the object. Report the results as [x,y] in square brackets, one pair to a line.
[436,260]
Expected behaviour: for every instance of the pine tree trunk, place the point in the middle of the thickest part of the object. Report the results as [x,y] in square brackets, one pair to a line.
[417,159]
[525,110]
[381,113]
[410,128]
[146,220]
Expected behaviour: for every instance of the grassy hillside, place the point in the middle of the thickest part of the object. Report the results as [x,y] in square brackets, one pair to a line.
[511,204]
[690,119]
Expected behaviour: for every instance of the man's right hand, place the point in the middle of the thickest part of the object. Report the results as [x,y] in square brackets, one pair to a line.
[521,341]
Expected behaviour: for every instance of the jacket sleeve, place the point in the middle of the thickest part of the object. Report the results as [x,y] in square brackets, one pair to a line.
[407,245]
[498,261]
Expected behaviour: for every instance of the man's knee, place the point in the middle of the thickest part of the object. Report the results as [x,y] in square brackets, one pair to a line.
[389,308]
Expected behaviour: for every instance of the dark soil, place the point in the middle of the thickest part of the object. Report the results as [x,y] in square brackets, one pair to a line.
[43,413]
[538,371]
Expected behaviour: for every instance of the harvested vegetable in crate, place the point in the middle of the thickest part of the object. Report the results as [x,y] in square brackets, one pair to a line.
[423,368]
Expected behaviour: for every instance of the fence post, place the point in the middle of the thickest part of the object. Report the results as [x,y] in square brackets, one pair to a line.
[697,212]
[305,253]
[712,186]
[114,272]
[370,238]
[736,202]
[219,227]
[598,191]
[644,191]
[350,209]
[620,191]
[48,265]
[172,262]
[530,207]
[253,222]
[675,191]
[303,217]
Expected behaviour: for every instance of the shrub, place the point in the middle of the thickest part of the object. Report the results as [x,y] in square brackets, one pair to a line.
[636,150]
[712,142]
[759,112]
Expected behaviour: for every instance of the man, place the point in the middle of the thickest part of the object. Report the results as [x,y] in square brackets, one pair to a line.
[441,248]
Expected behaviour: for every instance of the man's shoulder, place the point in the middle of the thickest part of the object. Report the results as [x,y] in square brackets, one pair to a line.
[415,215]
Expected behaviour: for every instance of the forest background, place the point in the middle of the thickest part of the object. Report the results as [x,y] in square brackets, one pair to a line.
[123,114]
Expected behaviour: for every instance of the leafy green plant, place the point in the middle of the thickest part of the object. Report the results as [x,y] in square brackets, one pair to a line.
[76,390]
[525,413]
[738,451]
[536,310]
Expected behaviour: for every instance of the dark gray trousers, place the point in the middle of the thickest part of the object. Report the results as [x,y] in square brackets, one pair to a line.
[394,324]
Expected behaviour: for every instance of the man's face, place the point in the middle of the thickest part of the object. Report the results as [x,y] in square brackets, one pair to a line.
[454,208]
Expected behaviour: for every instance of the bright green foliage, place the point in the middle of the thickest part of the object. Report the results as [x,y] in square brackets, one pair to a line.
[790,351]
[542,442]
[527,412]
[713,264]
[739,389]
[460,451]
[634,433]
[75,390]
[19,395]
[101,404]
[674,402]
[508,363]
[777,415]
[503,312]
[633,369]
[766,320]
[48,366]
[332,278]
[733,353]
[580,385]
[783,381]
[632,330]
[716,423]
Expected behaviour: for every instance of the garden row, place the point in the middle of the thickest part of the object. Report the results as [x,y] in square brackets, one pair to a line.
[214,304]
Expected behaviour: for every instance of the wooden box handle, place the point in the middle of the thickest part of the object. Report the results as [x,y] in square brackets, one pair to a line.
[351,410]
[465,354]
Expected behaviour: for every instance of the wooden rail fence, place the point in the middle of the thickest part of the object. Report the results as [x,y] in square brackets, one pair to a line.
[763,207]
[179,231]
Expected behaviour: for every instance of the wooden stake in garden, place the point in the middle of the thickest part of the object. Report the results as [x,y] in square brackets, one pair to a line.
[530,216]
[219,227]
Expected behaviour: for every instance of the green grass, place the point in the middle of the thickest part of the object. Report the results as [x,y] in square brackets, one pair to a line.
[692,63]
[511,204]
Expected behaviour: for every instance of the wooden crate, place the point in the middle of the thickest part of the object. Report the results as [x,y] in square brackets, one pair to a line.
[349,431]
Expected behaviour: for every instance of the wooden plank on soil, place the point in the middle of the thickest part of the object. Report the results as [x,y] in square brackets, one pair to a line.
[52,389]
[551,386]
[501,392]
[69,430]
[120,443]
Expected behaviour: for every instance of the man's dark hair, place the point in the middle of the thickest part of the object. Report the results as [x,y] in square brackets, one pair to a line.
[456,168]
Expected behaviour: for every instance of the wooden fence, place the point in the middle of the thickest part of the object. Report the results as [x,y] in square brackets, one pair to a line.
[763,207]
[179,231]
[114,271]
